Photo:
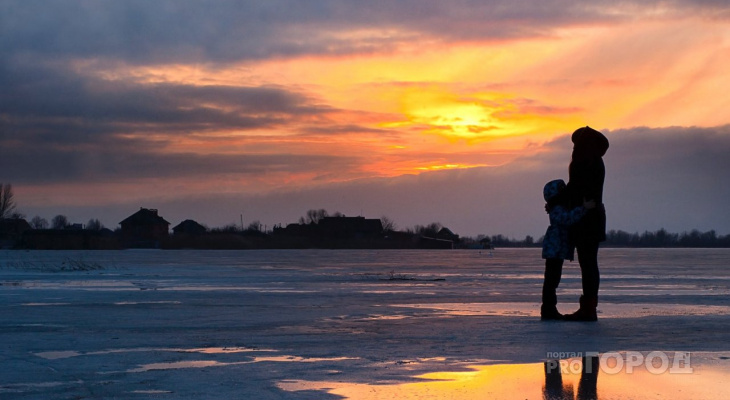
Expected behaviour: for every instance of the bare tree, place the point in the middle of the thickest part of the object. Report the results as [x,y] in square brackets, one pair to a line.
[255,226]
[59,222]
[7,201]
[94,225]
[39,223]
[230,228]
[429,230]
[388,224]
[314,216]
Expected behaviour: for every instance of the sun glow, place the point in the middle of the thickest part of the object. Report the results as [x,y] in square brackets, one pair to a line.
[412,108]
[447,166]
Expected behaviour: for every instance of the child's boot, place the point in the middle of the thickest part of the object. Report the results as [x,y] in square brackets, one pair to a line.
[549,312]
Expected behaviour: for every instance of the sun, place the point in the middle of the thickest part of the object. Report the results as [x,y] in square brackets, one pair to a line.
[473,117]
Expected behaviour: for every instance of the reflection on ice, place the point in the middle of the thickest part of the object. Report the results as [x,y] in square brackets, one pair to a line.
[55,355]
[606,310]
[24,387]
[152,391]
[300,359]
[114,285]
[155,366]
[580,379]
[212,363]
[181,365]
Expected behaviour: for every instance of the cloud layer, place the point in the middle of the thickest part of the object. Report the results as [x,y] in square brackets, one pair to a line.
[669,178]
[165,31]
[289,105]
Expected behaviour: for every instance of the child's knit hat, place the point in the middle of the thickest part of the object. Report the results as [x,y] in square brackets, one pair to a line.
[552,189]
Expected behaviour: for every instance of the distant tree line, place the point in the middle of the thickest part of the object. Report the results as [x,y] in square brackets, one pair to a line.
[614,238]
[619,238]
[662,238]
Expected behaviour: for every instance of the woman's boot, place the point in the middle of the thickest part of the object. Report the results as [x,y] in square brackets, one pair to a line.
[587,310]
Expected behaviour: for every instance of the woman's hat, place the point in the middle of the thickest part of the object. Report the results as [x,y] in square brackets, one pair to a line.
[590,142]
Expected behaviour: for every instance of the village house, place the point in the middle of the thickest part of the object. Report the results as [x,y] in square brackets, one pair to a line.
[190,228]
[11,230]
[350,227]
[145,228]
[447,234]
[335,227]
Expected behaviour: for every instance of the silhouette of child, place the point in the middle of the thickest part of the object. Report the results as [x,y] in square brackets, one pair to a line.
[556,245]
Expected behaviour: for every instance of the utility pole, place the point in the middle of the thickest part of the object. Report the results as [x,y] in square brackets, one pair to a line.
[241,222]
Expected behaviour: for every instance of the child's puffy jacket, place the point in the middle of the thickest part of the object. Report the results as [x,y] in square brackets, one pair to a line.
[556,243]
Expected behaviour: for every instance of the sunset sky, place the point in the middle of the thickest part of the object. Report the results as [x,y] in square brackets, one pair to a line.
[448,111]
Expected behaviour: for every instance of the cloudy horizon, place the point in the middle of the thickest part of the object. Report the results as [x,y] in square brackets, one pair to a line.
[422,111]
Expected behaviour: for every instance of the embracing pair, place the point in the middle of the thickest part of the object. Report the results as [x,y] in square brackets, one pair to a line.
[577,222]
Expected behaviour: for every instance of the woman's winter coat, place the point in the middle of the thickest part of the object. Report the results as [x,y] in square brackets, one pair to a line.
[586,176]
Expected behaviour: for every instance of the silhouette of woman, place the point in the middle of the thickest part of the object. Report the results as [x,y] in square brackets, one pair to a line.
[586,176]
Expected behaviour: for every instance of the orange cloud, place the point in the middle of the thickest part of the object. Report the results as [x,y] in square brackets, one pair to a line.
[477,98]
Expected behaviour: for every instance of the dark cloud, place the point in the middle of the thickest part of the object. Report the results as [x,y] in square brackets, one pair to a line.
[49,97]
[45,164]
[670,177]
[141,31]
[335,129]
[56,126]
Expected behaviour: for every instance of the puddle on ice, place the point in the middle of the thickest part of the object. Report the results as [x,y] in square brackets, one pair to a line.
[466,309]
[212,363]
[257,289]
[152,391]
[574,379]
[221,350]
[385,317]
[24,387]
[181,365]
[606,310]
[395,291]
[56,355]
[300,359]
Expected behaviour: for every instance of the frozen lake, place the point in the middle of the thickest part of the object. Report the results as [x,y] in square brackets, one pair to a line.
[321,324]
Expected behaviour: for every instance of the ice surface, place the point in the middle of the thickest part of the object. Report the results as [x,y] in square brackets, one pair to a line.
[332,324]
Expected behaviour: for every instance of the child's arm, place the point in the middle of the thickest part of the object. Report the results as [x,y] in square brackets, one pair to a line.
[563,216]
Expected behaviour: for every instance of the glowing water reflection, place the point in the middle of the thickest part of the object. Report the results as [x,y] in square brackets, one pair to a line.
[606,310]
[575,379]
